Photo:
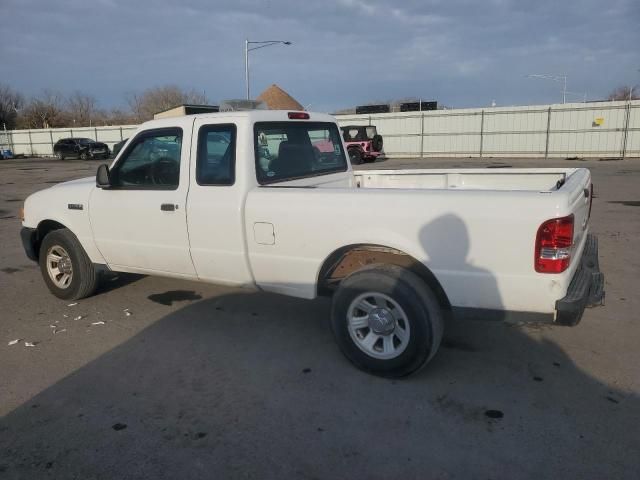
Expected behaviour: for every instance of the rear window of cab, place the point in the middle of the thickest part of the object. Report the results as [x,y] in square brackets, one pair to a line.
[293,150]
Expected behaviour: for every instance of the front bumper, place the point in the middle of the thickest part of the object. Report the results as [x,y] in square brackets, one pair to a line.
[586,288]
[29,237]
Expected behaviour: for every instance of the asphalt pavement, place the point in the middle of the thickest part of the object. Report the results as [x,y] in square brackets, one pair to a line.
[160,378]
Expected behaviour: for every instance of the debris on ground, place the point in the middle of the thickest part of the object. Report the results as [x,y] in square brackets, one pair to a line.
[13,342]
[72,304]
[99,322]
[31,344]
[79,317]
[127,312]
[56,331]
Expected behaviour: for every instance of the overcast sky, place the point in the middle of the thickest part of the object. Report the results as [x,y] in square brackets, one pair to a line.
[344,52]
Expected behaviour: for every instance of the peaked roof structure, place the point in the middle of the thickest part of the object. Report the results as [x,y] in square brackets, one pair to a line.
[277,99]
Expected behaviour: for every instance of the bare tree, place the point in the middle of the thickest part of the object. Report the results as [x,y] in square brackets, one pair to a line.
[115,116]
[45,111]
[10,102]
[625,93]
[157,99]
[81,109]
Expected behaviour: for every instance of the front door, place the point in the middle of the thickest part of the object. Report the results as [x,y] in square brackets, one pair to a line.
[140,223]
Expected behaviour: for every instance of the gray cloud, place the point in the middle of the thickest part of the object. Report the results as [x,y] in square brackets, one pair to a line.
[463,53]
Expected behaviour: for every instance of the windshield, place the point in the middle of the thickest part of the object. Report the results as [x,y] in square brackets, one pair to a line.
[289,150]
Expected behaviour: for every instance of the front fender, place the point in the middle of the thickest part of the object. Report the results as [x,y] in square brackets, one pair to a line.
[68,205]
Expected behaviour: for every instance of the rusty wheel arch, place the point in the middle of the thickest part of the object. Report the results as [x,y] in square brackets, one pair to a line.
[352,258]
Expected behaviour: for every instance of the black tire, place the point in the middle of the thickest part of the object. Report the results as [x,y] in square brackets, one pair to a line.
[376,143]
[84,156]
[84,278]
[422,309]
[355,156]
[60,155]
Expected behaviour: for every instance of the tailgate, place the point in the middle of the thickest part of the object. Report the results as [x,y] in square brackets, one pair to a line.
[580,190]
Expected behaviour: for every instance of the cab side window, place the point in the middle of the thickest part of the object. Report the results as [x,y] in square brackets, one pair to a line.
[216,159]
[152,161]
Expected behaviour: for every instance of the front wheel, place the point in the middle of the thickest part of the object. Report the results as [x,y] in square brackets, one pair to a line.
[84,156]
[65,266]
[386,320]
[59,155]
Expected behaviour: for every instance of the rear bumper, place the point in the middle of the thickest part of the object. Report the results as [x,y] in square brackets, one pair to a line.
[586,288]
[29,237]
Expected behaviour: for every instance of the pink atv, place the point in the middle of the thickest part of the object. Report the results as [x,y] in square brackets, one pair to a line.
[363,143]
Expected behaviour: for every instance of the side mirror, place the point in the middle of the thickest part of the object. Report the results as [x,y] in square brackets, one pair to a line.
[102,177]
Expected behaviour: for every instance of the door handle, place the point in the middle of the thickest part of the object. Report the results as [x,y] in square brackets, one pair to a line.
[168,207]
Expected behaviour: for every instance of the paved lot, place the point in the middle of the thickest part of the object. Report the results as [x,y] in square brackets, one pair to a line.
[208,382]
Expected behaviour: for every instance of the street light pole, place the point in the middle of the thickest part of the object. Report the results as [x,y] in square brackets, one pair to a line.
[555,78]
[247,49]
[246,66]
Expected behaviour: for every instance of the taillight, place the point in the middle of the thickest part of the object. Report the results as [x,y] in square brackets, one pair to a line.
[298,115]
[553,245]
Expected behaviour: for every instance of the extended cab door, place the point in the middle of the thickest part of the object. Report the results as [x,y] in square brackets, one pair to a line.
[221,154]
[139,224]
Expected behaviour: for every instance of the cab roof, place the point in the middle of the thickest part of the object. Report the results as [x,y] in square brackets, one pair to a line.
[250,116]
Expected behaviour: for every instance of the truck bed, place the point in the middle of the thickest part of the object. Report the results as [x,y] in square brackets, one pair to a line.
[506,179]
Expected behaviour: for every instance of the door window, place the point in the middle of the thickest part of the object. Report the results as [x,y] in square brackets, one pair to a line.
[216,155]
[152,161]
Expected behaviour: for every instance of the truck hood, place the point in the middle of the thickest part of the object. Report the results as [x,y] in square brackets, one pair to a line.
[76,183]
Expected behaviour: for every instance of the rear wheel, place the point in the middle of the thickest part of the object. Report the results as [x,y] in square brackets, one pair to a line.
[386,320]
[59,155]
[84,156]
[65,266]
[355,155]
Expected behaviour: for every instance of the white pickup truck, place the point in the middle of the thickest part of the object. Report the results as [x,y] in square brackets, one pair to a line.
[268,200]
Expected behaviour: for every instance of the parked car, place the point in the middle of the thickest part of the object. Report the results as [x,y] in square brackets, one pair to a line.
[117,147]
[83,148]
[363,142]
[430,244]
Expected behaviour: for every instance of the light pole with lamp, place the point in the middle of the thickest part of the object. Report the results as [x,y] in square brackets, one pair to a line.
[555,78]
[247,49]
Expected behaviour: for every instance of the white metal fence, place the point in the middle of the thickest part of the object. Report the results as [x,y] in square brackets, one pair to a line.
[603,129]
[39,143]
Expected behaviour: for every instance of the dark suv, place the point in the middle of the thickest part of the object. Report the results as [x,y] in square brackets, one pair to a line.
[83,148]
